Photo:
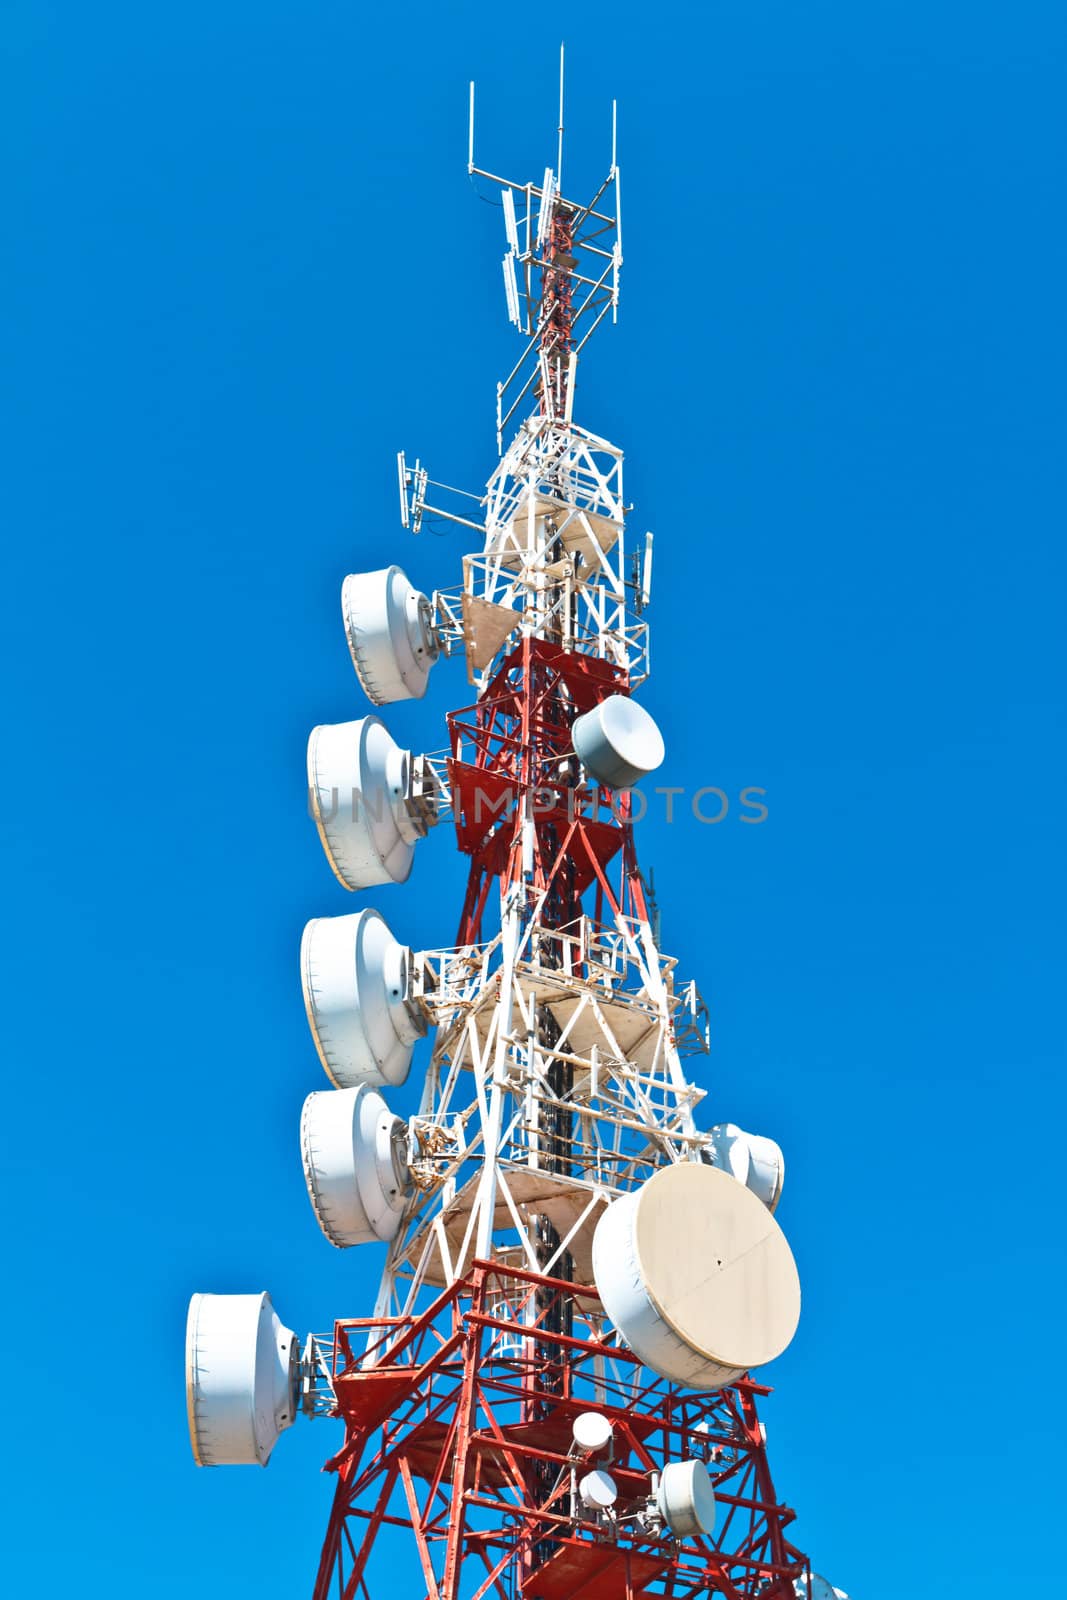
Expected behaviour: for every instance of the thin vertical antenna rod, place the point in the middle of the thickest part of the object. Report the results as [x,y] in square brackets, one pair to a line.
[470,142]
[570,276]
[559,150]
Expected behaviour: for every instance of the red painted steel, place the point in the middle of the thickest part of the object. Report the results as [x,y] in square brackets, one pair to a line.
[433,1482]
[511,756]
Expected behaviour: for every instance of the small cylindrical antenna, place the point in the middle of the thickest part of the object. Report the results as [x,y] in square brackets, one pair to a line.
[614,126]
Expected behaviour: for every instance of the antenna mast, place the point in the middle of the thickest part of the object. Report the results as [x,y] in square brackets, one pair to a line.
[553,1395]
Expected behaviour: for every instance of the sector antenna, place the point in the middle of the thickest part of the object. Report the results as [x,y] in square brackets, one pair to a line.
[585,1281]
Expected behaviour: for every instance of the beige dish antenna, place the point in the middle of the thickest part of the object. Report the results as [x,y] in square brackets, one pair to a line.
[697,1276]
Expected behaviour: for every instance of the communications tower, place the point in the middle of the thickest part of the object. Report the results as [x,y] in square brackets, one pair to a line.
[552,1398]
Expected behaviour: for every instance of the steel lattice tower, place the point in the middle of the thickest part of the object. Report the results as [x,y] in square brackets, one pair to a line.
[556,1082]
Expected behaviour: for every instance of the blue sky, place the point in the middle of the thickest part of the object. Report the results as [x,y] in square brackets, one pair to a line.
[243,265]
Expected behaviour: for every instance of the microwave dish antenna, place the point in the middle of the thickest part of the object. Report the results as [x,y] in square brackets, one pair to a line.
[618,743]
[766,1173]
[728,1147]
[361,787]
[390,632]
[685,1499]
[591,1432]
[598,1490]
[697,1276]
[357,993]
[817,1589]
[752,1159]
[354,1151]
[241,1378]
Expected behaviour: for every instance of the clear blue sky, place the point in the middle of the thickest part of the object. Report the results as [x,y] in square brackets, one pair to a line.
[243,265]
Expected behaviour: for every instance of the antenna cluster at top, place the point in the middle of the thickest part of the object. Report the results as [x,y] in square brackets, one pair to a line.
[561,274]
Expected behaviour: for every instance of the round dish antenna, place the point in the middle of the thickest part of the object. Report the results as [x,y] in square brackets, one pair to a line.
[697,1276]
[752,1159]
[818,1589]
[241,1378]
[592,1432]
[730,1151]
[685,1499]
[617,742]
[354,1151]
[766,1173]
[390,632]
[357,982]
[361,789]
[597,1490]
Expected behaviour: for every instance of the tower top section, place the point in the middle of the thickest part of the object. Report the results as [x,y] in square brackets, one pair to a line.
[561,276]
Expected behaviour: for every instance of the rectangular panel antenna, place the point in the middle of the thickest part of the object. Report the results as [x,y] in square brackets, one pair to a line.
[544,215]
[511,289]
[402,473]
[561,301]
[510,227]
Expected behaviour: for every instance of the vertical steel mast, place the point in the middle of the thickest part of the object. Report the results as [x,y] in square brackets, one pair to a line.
[553,1396]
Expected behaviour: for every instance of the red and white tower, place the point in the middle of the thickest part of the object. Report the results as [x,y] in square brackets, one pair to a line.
[552,1397]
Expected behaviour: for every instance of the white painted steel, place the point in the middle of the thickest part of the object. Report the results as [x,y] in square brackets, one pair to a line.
[356,981]
[359,783]
[630,1056]
[241,1369]
[697,1276]
[751,1158]
[685,1499]
[598,1490]
[617,742]
[355,1165]
[592,1432]
[389,627]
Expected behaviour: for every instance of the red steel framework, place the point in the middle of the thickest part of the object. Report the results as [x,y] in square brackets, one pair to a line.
[511,757]
[440,1454]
